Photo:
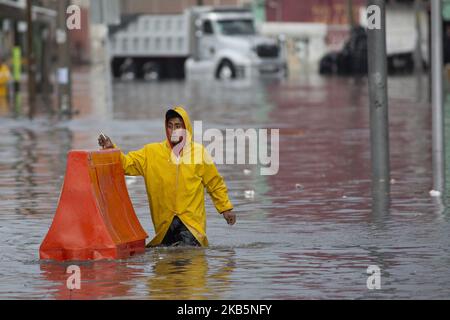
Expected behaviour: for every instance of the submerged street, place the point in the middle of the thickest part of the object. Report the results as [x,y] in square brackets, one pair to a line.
[308,232]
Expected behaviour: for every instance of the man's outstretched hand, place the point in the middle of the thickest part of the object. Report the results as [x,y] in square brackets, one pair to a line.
[105,142]
[230,217]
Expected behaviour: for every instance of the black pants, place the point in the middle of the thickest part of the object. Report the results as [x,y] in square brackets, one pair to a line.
[179,235]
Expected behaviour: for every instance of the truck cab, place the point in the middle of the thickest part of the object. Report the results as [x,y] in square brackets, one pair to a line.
[226,45]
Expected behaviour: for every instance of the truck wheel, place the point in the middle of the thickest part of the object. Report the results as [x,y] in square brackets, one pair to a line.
[226,71]
[151,71]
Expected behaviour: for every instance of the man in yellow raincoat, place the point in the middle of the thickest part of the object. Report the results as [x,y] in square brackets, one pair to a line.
[176,173]
[5,77]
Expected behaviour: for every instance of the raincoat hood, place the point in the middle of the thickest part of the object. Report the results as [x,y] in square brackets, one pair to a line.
[187,123]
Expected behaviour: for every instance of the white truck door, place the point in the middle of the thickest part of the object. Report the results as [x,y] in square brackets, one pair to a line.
[207,41]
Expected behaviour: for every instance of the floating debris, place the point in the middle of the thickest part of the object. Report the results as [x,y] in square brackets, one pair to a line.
[247,172]
[435,193]
[249,194]
[299,187]
[393,181]
[407,214]
[130,180]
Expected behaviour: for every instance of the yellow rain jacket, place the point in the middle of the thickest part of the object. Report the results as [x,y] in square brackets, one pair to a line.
[176,187]
[5,77]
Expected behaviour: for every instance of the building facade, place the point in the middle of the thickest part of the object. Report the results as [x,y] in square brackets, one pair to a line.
[172,6]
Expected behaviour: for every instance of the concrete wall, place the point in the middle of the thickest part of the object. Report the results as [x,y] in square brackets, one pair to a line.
[330,12]
[305,42]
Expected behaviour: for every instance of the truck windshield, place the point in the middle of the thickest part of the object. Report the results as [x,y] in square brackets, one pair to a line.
[236,27]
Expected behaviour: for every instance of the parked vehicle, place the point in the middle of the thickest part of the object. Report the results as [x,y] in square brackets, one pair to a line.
[217,42]
[402,37]
[352,59]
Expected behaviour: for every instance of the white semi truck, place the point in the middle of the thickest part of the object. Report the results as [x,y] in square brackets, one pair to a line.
[210,42]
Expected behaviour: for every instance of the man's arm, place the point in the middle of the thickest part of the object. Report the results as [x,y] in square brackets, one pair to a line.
[134,163]
[217,189]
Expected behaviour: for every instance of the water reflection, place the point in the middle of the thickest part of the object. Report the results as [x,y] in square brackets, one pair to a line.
[99,280]
[381,202]
[4,106]
[33,164]
[187,274]
[215,103]
[25,168]
[17,105]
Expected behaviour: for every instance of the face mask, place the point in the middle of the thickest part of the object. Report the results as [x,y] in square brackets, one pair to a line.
[176,136]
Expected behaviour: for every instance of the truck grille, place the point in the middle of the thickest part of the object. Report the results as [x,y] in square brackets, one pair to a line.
[267,51]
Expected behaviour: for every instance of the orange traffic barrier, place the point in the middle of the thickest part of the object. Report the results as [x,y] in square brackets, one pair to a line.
[95,218]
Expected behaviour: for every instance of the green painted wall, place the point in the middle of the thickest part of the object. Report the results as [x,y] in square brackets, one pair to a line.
[259,10]
[446,10]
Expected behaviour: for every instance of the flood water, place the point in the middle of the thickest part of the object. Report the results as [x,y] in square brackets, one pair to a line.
[308,232]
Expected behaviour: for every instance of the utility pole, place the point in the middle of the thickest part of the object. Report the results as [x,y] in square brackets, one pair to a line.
[64,66]
[379,123]
[16,64]
[351,20]
[31,61]
[418,63]
[437,99]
